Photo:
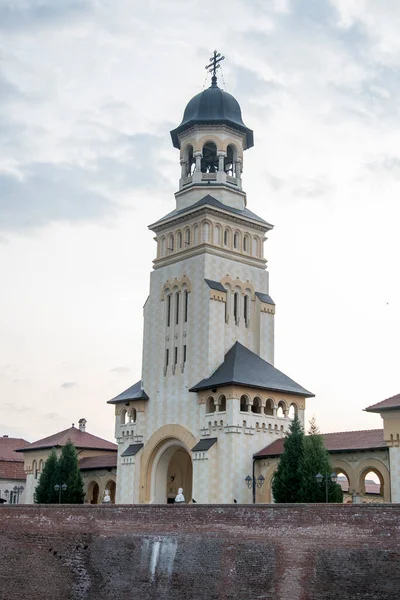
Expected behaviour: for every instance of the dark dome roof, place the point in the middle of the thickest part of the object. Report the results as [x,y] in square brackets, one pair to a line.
[210,107]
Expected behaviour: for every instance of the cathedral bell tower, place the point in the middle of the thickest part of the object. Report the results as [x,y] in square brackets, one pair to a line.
[209,396]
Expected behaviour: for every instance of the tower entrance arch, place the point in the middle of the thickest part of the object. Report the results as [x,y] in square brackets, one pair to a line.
[167,465]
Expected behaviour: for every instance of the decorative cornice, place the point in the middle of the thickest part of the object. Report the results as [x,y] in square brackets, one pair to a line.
[210,249]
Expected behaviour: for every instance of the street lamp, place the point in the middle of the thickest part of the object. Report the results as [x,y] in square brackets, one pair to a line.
[59,488]
[253,482]
[320,478]
[18,489]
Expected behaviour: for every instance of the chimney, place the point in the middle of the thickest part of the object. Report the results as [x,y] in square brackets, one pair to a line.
[82,425]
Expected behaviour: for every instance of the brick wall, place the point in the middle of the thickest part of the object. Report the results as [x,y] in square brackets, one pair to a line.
[200,552]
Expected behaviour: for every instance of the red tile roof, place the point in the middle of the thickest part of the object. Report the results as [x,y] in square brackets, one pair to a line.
[336,442]
[11,463]
[107,461]
[80,439]
[388,404]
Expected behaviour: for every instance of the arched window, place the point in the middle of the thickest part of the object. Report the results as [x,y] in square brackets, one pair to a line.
[269,407]
[195,234]
[163,246]
[210,405]
[293,410]
[179,240]
[217,235]
[236,307]
[177,308]
[187,237]
[227,238]
[171,243]
[122,418]
[256,408]
[186,304]
[372,482]
[236,240]
[246,309]
[231,157]
[244,406]
[41,465]
[256,246]
[209,161]
[189,159]
[205,232]
[133,415]
[222,403]
[281,409]
[246,243]
[168,310]
[34,469]
[343,481]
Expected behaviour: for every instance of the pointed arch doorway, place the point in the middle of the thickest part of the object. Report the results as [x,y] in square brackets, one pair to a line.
[172,469]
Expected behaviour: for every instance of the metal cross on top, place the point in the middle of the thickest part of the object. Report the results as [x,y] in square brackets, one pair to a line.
[214,65]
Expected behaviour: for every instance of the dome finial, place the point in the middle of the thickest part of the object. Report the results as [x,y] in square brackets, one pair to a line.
[213,66]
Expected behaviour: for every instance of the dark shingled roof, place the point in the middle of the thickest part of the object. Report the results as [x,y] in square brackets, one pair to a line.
[211,201]
[105,461]
[203,445]
[215,285]
[135,392]
[243,367]
[265,298]
[209,107]
[392,403]
[341,441]
[80,439]
[132,450]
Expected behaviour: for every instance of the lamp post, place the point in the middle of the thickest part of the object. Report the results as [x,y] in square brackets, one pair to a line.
[253,482]
[320,478]
[59,489]
[17,489]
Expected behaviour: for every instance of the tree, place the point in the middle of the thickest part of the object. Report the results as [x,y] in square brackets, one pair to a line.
[69,473]
[315,460]
[57,472]
[44,492]
[286,484]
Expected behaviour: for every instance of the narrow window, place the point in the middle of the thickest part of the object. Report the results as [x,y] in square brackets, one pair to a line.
[171,243]
[176,356]
[184,353]
[236,307]
[225,237]
[177,308]
[179,240]
[187,241]
[168,310]
[235,240]
[186,305]
[166,357]
[246,309]
[245,243]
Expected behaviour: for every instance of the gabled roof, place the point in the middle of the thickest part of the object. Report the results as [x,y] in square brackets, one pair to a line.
[8,446]
[105,461]
[211,201]
[80,439]
[243,367]
[341,441]
[392,403]
[135,392]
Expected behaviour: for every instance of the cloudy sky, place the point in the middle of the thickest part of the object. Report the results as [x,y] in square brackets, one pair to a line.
[89,90]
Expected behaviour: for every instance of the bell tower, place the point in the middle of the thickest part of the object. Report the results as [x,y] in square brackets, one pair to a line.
[212,138]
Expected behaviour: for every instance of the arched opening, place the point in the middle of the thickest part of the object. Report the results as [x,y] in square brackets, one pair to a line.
[281,409]
[34,469]
[269,407]
[246,309]
[217,235]
[93,493]
[256,246]
[236,307]
[256,408]
[133,415]
[246,243]
[41,465]
[231,157]
[244,404]
[372,484]
[122,417]
[205,231]
[209,161]
[222,403]
[343,481]
[187,236]
[111,487]
[227,237]
[189,160]
[179,240]
[293,411]
[172,470]
[210,405]
[195,234]
[170,243]
[236,240]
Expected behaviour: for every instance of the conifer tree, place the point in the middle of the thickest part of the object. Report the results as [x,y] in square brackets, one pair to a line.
[69,473]
[315,460]
[45,492]
[287,481]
